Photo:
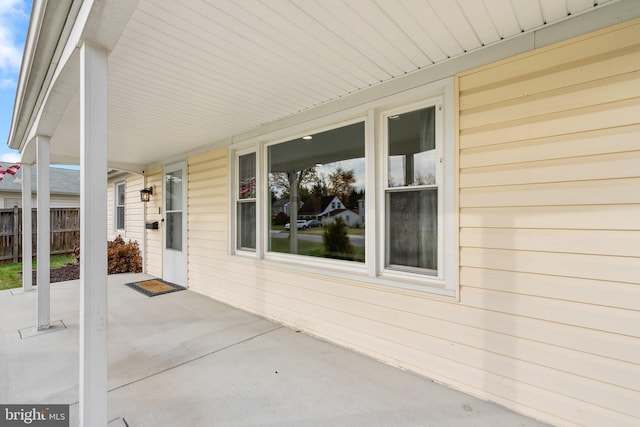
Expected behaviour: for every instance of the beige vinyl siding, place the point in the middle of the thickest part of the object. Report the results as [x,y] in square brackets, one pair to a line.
[550,216]
[153,238]
[207,219]
[549,212]
[11,199]
[111,189]
[64,201]
[133,211]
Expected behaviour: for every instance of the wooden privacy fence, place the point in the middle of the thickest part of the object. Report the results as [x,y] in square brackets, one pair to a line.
[65,231]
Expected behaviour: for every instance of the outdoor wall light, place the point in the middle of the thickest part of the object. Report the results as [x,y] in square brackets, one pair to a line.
[145,194]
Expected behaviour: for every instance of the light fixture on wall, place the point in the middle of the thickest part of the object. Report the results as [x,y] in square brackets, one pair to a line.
[145,194]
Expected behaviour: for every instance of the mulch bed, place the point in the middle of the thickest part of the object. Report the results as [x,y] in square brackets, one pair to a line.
[61,274]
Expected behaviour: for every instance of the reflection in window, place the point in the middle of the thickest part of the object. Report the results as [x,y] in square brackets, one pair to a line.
[246,202]
[412,148]
[174,230]
[173,185]
[317,187]
[412,192]
[173,210]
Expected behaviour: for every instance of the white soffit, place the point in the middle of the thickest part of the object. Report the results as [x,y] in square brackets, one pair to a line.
[188,73]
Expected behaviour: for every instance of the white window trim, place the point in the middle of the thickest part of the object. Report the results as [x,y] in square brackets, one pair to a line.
[373,272]
[116,205]
[235,198]
[438,103]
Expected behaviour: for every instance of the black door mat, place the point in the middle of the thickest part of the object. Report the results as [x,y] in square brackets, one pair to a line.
[154,287]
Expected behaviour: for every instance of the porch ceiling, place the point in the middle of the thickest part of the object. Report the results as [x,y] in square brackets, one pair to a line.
[191,73]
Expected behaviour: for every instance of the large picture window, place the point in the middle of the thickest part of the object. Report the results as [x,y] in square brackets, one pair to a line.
[317,188]
[370,197]
[411,194]
[246,202]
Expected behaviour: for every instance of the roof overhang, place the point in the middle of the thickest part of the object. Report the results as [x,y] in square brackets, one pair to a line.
[185,76]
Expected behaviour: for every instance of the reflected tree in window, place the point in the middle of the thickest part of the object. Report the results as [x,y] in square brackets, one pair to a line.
[313,179]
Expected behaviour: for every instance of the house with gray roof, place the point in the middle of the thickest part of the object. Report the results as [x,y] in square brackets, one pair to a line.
[64,188]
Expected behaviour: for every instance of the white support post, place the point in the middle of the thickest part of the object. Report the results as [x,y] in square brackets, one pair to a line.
[43,319]
[93,236]
[27,247]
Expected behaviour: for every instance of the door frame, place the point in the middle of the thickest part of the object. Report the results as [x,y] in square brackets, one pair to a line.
[174,263]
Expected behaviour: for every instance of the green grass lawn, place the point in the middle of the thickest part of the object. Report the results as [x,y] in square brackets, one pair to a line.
[9,272]
[320,231]
[308,248]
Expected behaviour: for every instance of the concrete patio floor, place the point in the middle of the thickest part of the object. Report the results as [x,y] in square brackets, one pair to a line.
[183,359]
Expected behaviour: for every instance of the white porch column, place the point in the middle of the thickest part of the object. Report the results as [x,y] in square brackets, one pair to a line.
[93,236]
[27,247]
[43,317]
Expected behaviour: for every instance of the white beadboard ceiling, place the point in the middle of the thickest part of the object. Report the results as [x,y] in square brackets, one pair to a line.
[188,73]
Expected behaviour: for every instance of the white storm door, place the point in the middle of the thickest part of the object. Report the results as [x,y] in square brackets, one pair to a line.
[174,241]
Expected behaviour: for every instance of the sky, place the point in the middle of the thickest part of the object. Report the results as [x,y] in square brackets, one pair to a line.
[14,20]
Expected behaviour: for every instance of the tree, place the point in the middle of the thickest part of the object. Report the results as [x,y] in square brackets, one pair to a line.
[336,241]
[279,182]
[352,201]
[341,182]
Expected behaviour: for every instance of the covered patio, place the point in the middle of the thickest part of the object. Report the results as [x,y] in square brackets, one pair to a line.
[184,359]
[528,296]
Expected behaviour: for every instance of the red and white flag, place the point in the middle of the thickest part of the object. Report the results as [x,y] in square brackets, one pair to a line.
[248,187]
[11,170]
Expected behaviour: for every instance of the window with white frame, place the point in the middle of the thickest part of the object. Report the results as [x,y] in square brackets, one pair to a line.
[411,193]
[119,205]
[402,155]
[246,202]
[309,173]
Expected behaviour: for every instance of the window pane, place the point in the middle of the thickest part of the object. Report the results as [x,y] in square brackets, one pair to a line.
[174,230]
[412,155]
[247,225]
[317,186]
[120,218]
[173,184]
[120,197]
[120,201]
[412,230]
[247,176]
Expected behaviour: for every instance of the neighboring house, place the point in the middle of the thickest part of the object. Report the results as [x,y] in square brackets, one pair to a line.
[499,148]
[320,207]
[326,209]
[125,211]
[64,188]
[351,218]
[361,211]
[280,206]
[283,206]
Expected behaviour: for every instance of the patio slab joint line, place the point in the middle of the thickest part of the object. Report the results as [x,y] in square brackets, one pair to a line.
[194,359]
[199,357]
